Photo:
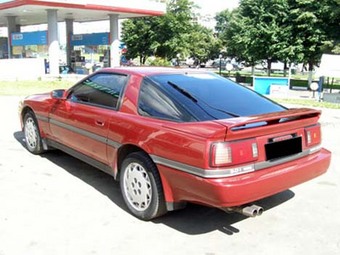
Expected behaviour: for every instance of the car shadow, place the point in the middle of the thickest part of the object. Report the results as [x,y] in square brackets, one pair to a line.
[197,219]
[193,220]
[99,180]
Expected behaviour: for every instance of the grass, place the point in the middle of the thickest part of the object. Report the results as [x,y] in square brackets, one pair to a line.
[25,88]
[307,102]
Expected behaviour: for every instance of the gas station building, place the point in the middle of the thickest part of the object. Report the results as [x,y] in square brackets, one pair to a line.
[17,13]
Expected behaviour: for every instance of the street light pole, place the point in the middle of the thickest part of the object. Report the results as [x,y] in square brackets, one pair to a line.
[177,59]
[220,56]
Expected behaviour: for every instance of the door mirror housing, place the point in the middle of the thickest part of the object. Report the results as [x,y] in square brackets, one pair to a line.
[58,93]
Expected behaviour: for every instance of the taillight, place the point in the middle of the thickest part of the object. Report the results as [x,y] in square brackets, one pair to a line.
[233,153]
[313,135]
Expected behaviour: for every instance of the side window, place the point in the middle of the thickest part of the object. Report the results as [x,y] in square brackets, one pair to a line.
[103,89]
[155,103]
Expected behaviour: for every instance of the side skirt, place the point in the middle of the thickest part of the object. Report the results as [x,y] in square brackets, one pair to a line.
[95,163]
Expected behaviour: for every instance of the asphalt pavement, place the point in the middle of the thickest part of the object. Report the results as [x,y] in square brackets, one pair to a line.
[57,205]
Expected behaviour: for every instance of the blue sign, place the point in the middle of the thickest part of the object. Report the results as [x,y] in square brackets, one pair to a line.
[90,39]
[262,84]
[29,38]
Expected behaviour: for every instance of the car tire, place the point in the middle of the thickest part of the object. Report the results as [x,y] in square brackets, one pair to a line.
[141,187]
[32,134]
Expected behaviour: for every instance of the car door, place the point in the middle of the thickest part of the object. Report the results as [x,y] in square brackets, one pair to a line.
[81,122]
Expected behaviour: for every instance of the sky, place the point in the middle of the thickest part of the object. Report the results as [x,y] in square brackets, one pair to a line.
[214,6]
[209,8]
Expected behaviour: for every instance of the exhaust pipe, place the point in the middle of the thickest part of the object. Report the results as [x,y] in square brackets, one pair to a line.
[248,210]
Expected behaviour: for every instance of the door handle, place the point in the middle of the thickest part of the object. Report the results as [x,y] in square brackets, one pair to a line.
[100,123]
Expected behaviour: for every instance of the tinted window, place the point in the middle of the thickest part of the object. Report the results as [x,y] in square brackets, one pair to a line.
[154,102]
[209,96]
[102,89]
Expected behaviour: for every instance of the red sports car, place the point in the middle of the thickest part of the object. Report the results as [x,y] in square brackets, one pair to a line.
[172,136]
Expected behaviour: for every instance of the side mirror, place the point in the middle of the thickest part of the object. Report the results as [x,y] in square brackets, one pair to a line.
[58,93]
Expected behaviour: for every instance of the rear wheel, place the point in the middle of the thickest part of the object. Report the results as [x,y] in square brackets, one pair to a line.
[141,187]
[32,135]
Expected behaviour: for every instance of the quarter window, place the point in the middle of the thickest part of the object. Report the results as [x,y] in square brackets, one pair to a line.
[103,89]
[153,102]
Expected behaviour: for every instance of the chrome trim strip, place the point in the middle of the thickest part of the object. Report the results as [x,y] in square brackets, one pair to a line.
[42,118]
[113,144]
[229,172]
[85,133]
[205,173]
[261,165]
[91,161]
[315,149]
[79,131]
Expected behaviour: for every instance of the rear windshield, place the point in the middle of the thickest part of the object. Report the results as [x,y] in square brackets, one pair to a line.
[207,96]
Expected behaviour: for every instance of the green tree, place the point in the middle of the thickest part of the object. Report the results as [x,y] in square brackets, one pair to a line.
[203,44]
[285,30]
[174,29]
[163,36]
[138,34]
[166,36]
[223,20]
[224,30]
[307,29]
[315,29]
[229,31]
[257,31]
[331,17]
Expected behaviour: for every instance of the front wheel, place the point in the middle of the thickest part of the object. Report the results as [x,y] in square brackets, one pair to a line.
[141,187]
[32,135]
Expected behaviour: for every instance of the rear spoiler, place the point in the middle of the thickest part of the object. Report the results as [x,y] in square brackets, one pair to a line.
[235,125]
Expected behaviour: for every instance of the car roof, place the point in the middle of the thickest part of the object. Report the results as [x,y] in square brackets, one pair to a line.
[147,71]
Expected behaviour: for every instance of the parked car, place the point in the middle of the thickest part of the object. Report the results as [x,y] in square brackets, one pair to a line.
[172,136]
[65,69]
[226,64]
[219,63]
[194,62]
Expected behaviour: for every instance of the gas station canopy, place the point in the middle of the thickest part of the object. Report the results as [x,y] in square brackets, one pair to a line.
[32,12]
[17,13]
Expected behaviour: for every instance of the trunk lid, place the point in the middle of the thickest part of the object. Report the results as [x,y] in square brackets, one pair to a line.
[277,135]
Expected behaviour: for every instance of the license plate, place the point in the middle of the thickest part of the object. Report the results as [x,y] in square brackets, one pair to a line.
[275,150]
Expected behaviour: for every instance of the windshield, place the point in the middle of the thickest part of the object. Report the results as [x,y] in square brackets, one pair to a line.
[209,96]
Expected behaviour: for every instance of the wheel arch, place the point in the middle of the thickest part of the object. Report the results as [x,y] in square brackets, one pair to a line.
[41,145]
[123,152]
[23,112]
[127,149]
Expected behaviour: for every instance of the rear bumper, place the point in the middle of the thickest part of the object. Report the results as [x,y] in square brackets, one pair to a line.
[238,190]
